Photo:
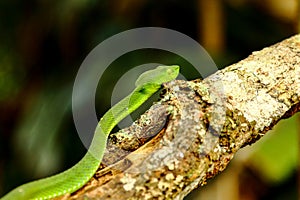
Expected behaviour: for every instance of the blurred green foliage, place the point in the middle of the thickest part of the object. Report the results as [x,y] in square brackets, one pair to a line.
[11,76]
[276,157]
[43,44]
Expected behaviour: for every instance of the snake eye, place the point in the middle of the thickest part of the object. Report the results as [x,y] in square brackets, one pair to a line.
[169,71]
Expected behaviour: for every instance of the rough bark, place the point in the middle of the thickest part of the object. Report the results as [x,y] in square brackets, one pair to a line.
[194,131]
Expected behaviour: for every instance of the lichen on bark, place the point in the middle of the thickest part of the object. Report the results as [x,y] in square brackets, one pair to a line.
[199,125]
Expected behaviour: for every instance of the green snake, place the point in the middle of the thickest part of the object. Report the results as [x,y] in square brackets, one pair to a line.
[74,178]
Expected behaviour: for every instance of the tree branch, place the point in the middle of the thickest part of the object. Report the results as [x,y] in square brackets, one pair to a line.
[200,126]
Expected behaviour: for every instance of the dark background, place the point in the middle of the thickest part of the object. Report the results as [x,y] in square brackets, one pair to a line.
[42,44]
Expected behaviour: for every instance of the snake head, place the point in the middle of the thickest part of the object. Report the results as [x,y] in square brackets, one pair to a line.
[159,75]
